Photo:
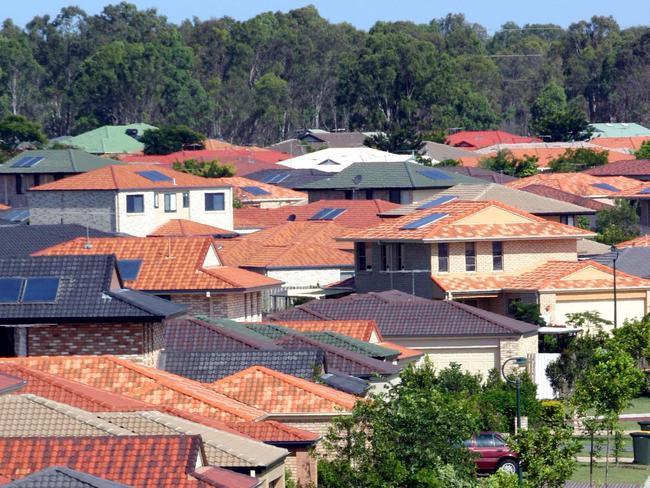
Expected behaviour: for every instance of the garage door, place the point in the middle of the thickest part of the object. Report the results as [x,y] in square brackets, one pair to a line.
[626,309]
[474,360]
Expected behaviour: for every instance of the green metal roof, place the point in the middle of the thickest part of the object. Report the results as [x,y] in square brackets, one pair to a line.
[352,344]
[403,175]
[612,129]
[110,139]
[56,161]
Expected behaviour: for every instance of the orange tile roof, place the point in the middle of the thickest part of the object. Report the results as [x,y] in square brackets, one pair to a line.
[484,138]
[273,431]
[273,192]
[544,155]
[641,241]
[358,329]
[293,244]
[143,383]
[446,228]
[579,183]
[358,214]
[168,263]
[552,275]
[187,228]
[280,393]
[629,143]
[404,352]
[126,177]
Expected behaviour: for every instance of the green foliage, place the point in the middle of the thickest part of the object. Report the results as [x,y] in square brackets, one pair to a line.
[634,338]
[552,413]
[527,312]
[166,140]
[556,119]
[618,223]
[16,129]
[399,140]
[576,160]
[504,162]
[644,151]
[207,169]
[500,480]
[449,162]
[583,222]
[453,380]
[547,455]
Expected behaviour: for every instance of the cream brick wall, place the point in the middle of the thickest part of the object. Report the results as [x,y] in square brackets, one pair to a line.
[518,346]
[234,306]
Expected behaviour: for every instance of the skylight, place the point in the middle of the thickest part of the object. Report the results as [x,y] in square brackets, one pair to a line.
[27,162]
[154,176]
[40,289]
[327,214]
[255,190]
[435,174]
[276,177]
[437,201]
[129,268]
[605,186]
[15,215]
[416,224]
[645,190]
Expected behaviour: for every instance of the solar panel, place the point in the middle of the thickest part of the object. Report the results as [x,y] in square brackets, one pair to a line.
[255,190]
[154,176]
[437,201]
[129,268]
[605,186]
[327,214]
[275,177]
[435,174]
[416,224]
[40,289]
[27,161]
[16,215]
[645,190]
[10,289]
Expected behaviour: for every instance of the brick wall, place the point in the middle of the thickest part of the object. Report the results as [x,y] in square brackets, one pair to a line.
[235,306]
[518,346]
[95,209]
[8,194]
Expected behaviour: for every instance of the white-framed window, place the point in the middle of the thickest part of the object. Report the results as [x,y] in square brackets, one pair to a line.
[170,202]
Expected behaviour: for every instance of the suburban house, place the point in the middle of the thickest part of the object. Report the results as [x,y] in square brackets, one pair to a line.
[481,174]
[25,240]
[314,139]
[346,213]
[288,178]
[624,144]
[548,208]
[491,255]
[132,199]
[630,259]
[437,152]
[618,129]
[189,228]
[185,270]
[397,182]
[639,169]
[564,196]
[61,305]
[477,139]
[263,195]
[337,159]
[109,139]
[640,196]
[34,168]
[445,331]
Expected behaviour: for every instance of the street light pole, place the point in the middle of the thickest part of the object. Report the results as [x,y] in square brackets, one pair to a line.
[521,361]
[614,250]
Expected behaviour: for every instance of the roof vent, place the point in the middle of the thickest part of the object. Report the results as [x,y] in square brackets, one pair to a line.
[291,218]
[131,132]
[357,179]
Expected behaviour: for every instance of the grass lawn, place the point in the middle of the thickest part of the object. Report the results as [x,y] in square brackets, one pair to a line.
[623,474]
[626,451]
[639,405]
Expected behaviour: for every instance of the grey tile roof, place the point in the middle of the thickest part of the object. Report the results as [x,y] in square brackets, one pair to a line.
[354,345]
[289,178]
[631,260]
[63,477]
[440,152]
[25,240]
[84,293]
[57,161]
[402,174]
[208,367]
[399,314]
[482,174]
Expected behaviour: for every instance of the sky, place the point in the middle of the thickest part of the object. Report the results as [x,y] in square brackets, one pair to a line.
[364,13]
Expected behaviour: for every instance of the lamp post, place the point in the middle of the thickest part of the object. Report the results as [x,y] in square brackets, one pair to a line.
[520,361]
[614,250]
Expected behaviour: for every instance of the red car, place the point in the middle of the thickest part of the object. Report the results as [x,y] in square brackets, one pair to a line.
[494,453]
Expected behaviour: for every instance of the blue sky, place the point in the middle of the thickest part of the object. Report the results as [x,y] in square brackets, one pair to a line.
[489,13]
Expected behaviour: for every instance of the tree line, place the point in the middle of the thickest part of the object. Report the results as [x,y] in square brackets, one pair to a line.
[260,80]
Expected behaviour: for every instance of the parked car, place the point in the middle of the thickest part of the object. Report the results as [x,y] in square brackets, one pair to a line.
[493,453]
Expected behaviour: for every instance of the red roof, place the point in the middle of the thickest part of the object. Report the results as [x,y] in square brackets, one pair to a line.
[581,184]
[274,432]
[224,478]
[130,177]
[404,352]
[544,155]
[158,461]
[477,139]
[629,143]
[357,329]
[564,196]
[168,264]
[628,167]
[358,213]
[641,241]
[187,228]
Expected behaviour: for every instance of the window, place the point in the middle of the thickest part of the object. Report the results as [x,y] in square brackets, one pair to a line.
[363,255]
[170,202]
[395,196]
[349,195]
[134,203]
[214,201]
[567,219]
[485,440]
[156,200]
[19,184]
[383,256]
[399,258]
[470,256]
[37,179]
[443,257]
[186,199]
[369,194]
[497,256]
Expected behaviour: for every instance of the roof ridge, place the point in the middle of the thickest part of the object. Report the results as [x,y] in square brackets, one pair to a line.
[470,310]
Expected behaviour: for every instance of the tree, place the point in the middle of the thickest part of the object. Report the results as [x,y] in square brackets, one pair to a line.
[618,223]
[449,162]
[526,311]
[556,119]
[16,129]
[207,169]
[504,162]
[577,160]
[399,140]
[634,338]
[166,140]
[644,151]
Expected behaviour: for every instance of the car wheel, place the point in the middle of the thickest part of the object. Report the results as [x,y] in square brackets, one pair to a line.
[510,466]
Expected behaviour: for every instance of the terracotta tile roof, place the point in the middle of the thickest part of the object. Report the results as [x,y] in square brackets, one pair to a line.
[641,241]
[447,228]
[126,177]
[544,155]
[174,263]
[627,167]
[280,393]
[139,461]
[253,191]
[405,352]
[223,478]
[550,192]
[579,183]
[483,138]
[273,432]
[357,214]
[188,228]
[358,329]
[293,244]
[142,383]
[61,477]
[628,143]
